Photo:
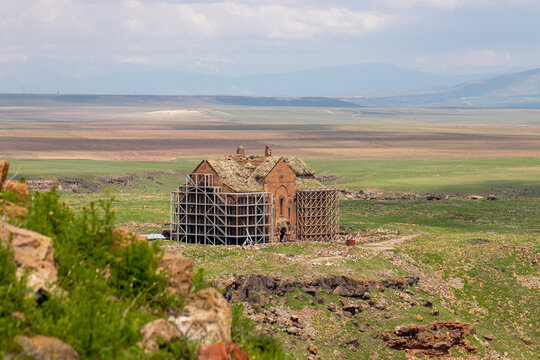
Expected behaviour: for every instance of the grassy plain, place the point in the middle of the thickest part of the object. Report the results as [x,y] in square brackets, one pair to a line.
[143,200]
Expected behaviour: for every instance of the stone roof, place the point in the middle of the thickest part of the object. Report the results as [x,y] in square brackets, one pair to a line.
[242,178]
[299,167]
[234,175]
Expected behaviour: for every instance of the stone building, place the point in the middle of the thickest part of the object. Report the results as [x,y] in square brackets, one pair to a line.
[254,199]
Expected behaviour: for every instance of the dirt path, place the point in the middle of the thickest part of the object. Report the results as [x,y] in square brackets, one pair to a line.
[386,244]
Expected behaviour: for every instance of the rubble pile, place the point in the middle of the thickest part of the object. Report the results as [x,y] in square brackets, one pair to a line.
[433,340]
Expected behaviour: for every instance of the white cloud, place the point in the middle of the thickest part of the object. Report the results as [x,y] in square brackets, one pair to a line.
[140,60]
[452,4]
[201,34]
[13,57]
[227,19]
[443,4]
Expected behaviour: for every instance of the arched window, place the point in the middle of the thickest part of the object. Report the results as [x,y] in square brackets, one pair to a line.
[281,200]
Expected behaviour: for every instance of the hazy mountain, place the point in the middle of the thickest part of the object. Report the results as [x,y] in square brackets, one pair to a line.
[348,80]
[166,100]
[343,86]
[521,89]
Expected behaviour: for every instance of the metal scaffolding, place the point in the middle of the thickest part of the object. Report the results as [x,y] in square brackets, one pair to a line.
[317,214]
[202,213]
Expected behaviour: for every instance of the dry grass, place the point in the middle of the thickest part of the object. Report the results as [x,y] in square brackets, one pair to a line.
[157,134]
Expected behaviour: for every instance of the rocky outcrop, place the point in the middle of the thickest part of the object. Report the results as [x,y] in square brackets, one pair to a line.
[20,189]
[180,273]
[42,347]
[4,168]
[221,351]
[157,330]
[246,287]
[434,340]
[364,195]
[33,252]
[206,317]
[11,210]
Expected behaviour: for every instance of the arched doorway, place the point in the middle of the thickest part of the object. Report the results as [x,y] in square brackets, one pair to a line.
[282,234]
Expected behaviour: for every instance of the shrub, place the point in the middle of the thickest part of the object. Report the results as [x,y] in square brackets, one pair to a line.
[199,283]
[12,299]
[257,346]
[134,274]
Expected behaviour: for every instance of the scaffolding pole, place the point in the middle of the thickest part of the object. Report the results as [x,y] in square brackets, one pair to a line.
[317,214]
[202,213]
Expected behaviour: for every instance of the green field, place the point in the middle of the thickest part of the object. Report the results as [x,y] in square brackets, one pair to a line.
[143,201]
[502,176]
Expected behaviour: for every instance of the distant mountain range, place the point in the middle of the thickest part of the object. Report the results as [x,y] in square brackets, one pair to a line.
[374,79]
[521,89]
[342,86]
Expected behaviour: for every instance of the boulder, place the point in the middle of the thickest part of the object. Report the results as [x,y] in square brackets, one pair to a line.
[33,252]
[20,189]
[350,307]
[158,329]
[341,291]
[11,210]
[4,168]
[180,273]
[475,197]
[221,351]
[206,317]
[42,347]
[380,304]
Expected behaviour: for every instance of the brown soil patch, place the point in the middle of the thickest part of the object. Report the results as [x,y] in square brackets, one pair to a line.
[146,133]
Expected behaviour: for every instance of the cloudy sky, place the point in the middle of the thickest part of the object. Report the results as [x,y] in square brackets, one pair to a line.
[250,36]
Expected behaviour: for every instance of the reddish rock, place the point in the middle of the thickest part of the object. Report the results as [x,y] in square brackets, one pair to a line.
[4,168]
[429,340]
[11,210]
[20,189]
[42,347]
[180,272]
[32,251]
[475,197]
[221,351]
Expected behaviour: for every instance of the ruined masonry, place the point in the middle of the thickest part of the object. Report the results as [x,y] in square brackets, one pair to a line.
[241,199]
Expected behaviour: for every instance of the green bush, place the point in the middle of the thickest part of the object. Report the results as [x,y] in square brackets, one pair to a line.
[12,300]
[199,283]
[257,346]
[104,285]
[134,274]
